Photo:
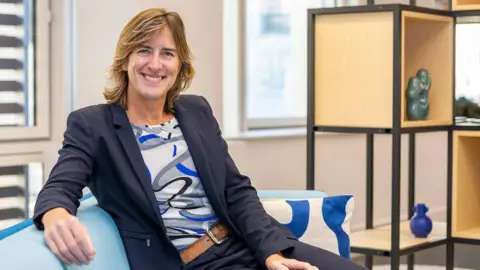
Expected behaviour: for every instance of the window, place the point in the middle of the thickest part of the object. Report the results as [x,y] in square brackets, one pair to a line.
[275,61]
[467,56]
[21,178]
[24,69]
[265,62]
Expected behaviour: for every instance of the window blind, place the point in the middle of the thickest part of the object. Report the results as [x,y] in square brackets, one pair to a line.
[12,195]
[14,45]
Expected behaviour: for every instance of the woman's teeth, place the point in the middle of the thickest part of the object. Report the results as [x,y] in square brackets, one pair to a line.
[154,79]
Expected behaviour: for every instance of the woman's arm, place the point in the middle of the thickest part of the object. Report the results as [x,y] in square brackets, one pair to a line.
[70,174]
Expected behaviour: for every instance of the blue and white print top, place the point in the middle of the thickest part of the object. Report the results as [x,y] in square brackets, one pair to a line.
[185,209]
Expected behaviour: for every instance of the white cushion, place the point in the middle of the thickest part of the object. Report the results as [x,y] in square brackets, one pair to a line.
[321,222]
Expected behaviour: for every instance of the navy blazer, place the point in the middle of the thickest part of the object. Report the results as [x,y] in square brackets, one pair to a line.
[100,151]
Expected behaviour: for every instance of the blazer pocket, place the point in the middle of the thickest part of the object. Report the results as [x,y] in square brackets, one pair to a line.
[140,236]
[142,249]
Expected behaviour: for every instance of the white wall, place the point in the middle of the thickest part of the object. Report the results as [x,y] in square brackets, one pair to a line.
[275,163]
[341,169]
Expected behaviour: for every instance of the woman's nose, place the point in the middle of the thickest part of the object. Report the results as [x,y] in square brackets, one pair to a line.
[156,63]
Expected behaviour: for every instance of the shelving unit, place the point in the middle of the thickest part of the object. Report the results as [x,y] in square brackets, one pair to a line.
[345,59]
[360,61]
[377,241]
[466,183]
[425,36]
[458,5]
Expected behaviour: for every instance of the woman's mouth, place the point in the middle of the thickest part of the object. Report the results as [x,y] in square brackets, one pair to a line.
[153,78]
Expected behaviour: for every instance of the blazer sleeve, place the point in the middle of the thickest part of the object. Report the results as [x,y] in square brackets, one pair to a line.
[245,209]
[70,174]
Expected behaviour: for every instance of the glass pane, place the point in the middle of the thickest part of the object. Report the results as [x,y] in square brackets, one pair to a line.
[19,187]
[467,69]
[276,60]
[276,52]
[16,64]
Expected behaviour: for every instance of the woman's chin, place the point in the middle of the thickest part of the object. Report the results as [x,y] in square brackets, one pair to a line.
[157,96]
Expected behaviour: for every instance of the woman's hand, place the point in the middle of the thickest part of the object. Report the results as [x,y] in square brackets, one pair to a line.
[67,237]
[278,262]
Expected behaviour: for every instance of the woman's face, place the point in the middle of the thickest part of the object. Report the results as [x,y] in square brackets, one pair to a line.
[153,67]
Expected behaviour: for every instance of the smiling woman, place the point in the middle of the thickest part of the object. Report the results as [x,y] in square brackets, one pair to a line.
[156,161]
[162,34]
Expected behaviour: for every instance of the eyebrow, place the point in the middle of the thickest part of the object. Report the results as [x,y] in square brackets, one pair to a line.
[170,49]
[151,48]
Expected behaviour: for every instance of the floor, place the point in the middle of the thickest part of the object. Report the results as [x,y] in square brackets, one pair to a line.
[467,257]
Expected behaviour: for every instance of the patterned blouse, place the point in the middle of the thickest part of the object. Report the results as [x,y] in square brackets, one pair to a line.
[185,209]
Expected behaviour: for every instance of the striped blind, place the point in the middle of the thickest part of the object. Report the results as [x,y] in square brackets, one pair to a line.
[20,184]
[15,55]
[13,202]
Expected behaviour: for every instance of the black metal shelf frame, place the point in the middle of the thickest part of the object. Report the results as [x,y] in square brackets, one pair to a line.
[396,133]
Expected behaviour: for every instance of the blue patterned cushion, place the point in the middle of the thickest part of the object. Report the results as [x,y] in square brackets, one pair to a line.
[316,219]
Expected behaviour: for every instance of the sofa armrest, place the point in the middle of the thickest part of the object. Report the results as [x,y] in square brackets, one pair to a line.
[23,246]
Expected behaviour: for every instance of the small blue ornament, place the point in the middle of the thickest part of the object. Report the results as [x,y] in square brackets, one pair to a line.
[421,224]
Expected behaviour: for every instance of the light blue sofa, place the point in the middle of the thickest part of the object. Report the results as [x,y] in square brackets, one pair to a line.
[22,246]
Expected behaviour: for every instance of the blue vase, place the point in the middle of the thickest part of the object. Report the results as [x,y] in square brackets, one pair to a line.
[421,224]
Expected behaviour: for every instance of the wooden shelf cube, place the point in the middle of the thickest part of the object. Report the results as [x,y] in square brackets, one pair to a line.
[459,5]
[356,70]
[466,185]
[379,238]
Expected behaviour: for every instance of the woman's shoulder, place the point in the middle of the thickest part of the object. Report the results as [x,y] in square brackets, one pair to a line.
[93,110]
[192,101]
[189,99]
[92,114]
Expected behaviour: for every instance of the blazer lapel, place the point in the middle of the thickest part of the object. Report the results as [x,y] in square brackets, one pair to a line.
[132,151]
[194,139]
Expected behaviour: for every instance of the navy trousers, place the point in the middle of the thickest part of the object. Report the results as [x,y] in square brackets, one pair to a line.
[233,254]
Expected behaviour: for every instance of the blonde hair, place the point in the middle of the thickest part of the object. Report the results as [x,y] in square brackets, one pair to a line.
[139,30]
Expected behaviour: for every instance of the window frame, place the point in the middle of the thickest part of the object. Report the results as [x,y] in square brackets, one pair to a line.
[41,129]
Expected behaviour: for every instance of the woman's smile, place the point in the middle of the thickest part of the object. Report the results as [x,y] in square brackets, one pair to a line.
[153,78]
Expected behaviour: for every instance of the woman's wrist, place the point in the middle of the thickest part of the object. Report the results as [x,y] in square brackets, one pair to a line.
[273,257]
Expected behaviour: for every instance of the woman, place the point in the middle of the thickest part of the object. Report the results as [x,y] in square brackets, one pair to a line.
[156,162]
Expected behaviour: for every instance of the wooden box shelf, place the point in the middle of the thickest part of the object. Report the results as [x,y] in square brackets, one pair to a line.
[379,239]
[425,37]
[357,72]
[466,185]
[459,5]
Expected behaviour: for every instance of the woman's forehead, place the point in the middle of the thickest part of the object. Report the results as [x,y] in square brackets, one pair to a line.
[163,39]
